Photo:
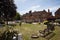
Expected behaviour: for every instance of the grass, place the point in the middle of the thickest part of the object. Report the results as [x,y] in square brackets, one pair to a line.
[28,29]
[57,31]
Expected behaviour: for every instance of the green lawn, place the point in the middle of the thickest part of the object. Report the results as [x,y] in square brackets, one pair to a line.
[28,29]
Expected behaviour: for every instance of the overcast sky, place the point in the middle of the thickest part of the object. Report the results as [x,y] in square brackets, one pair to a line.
[24,6]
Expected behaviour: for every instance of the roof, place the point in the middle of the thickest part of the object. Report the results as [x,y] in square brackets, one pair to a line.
[58,11]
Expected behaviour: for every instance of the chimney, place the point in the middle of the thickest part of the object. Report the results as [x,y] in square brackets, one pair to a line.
[48,10]
[30,11]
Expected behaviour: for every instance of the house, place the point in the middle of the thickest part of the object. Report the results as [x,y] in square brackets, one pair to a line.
[36,16]
[57,14]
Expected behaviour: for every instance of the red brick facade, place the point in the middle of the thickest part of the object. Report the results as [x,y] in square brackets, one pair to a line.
[57,13]
[37,16]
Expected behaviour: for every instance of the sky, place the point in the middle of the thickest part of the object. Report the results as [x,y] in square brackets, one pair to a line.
[24,6]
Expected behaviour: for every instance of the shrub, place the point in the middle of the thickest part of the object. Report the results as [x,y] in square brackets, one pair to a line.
[8,35]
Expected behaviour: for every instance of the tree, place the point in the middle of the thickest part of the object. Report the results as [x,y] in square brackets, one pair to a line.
[7,9]
[18,16]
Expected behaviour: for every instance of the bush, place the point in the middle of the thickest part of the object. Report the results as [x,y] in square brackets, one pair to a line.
[8,35]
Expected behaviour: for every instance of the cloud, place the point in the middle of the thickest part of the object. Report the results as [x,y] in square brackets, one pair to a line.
[20,1]
[33,8]
[38,8]
[53,9]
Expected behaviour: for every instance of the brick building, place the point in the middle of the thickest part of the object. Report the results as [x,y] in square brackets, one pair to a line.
[36,16]
[57,13]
